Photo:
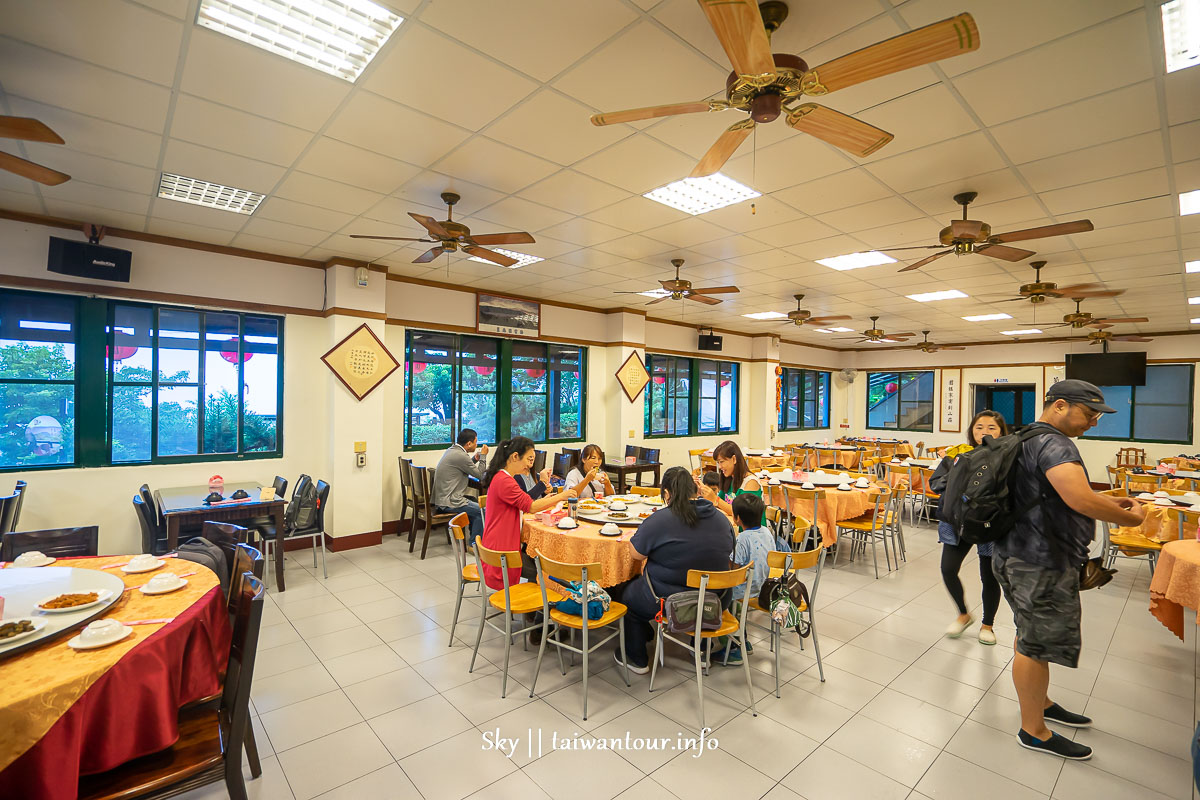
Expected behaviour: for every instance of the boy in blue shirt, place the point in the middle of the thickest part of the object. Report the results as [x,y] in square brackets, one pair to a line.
[753,544]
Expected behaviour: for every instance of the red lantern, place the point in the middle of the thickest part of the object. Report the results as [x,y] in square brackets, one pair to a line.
[485,371]
[232,357]
[418,367]
[121,352]
[724,382]
[891,388]
[660,379]
[535,373]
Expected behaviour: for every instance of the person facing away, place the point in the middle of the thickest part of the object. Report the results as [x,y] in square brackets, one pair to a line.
[752,546]
[463,460]
[587,476]
[1037,563]
[954,552]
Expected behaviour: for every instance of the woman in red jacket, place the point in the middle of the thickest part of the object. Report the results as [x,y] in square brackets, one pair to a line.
[506,502]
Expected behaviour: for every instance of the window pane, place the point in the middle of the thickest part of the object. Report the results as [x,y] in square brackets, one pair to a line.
[177,421]
[430,374]
[221,358]
[37,423]
[260,384]
[528,367]
[566,392]
[1164,423]
[132,350]
[706,420]
[479,414]
[479,358]
[1162,410]
[823,401]
[882,399]
[131,424]
[37,337]
[529,416]
[727,397]
[178,346]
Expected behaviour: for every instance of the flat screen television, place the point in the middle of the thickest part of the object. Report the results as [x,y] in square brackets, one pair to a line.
[1108,369]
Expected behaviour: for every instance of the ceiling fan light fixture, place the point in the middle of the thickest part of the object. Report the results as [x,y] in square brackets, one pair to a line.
[1025,332]
[523,259]
[1181,33]
[697,196]
[338,37]
[987,317]
[871,258]
[208,194]
[766,315]
[929,297]
[1189,203]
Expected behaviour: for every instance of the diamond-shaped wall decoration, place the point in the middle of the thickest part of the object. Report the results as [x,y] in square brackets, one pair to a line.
[361,361]
[633,376]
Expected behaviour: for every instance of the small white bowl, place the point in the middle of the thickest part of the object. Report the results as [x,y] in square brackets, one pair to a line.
[862,483]
[610,529]
[844,476]
[32,558]
[844,487]
[101,631]
[618,505]
[1163,501]
[566,523]
[808,485]
[773,482]
[819,473]
[1161,493]
[142,563]
[164,583]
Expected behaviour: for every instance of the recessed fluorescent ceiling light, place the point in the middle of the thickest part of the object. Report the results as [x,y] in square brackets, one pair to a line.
[948,294]
[1189,203]
[841,330]
[856,260]
[1194,301]
[38,325]
[1181,33]
[1196,321]
[210,195]
[766,315]
[1019,333]
[523,259]
[987,317]
[335,36]
[1192,266]
[699,195]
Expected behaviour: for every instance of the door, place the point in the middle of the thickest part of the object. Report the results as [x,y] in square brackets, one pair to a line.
[1017,402]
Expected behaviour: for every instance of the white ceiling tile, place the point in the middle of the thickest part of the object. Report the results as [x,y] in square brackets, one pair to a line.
[170,211]
[921,168]
[693,134]
[637,164]
[90,194]
[584,232]
[495,165]
[826,248]
[794,160]
[326,193]
[281,210]
[52,79]
[175,8]
[424,69]
[732,247]
[426,189]
[101,213]
[517,214]
[201,122]
[184,230]
[534,36]
[1185,141]
[573,192]
[282,90]
[378,124]
[20,201]
[92,169]
[840,190]
[1182,87]
[283,231]
[1138,186]
[754,215]
[336,160]
[767,259]
[908,119]
[94,136]
[590,258]
[265,244]
[801,230]
[634,247]
[875,214]
[689,232]
[546,247]
[1133,211]
[1122,157]
[992,187]
[637,214]
[218,166]
[369,249]
[555,127]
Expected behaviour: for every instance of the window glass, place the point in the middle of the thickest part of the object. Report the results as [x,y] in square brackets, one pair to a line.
[529,371]
[677,405]
[1159,411]
[429,373]
[260,384]
[222,361]
[900,400]
[804,404]
[566,391]
[478,392]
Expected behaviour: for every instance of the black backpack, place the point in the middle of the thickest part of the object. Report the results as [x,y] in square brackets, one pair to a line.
[301,512]
[978,499]
[202,551]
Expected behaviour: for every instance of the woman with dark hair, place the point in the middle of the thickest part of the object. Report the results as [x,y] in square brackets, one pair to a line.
[735,477]
[687,533]
[587,476]
[506,502]
[985,423]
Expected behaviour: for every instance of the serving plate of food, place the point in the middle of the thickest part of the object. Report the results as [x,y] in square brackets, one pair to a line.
[68,602]
[14,630]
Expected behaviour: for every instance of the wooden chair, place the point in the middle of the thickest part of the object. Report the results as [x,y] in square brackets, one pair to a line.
[562,465]
[228,537]
[576,460]
[1116,477]
[539,462]
[699,642]
[632,450]
[779,562]
[695,458]
[279,485]
[315,532]
[899,475]
[464,573]
[870,527]
[408,502]
[152,541]
[508,601]
[646,491]
[919,449]
[8,512]
[20,490]
[55,542]
[210,742]
[647,455]
[812,496]
[1136,483]
[560,620]
[1131,457]
[425,515]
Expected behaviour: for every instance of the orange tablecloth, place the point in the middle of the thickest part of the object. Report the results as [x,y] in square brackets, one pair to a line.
[1182,463]
[846,459]
[1158,527]
[756,463]
[837,505]
[1176,584]
[584,545]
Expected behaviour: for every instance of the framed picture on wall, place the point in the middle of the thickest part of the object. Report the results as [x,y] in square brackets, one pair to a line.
[1052,374]
[950,417]
[507,316]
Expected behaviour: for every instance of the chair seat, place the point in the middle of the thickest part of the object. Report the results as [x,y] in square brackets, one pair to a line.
[863,523]
[525,598]
[197,750]
[470,573]
[1134,541]
[438,517]
[615,612]
[729,624]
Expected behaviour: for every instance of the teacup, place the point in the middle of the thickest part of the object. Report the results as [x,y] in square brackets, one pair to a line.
[163,582]
[609,527]
[1145,496]
[862,483]
[617,505]
[845,476]
[1163,501]
[100,631]
[1161,493]
[845,487]
[808,485]
[29,558]
[566,523]
[143,561]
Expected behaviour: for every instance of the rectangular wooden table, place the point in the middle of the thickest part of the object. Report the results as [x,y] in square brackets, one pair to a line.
[623,470]
[185,505]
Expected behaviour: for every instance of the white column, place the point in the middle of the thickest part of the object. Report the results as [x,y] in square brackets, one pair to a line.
[761,418]
[625,421]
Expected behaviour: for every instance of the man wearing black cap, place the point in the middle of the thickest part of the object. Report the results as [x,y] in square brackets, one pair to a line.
[1038,562]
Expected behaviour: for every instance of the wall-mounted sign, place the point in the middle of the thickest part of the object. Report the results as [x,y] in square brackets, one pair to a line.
[1052,374]
[361,361]
[633,376]
[507,316]
[950,418]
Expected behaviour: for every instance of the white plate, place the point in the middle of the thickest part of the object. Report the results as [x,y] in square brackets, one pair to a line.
[48,560]
[38,624]
[182,583]
[75,644]
[129,570]
[618,533]
[102,597]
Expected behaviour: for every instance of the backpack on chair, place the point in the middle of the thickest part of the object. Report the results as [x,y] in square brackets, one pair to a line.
[301,512]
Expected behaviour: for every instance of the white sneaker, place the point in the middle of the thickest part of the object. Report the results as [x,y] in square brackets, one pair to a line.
[634,668]
[987,636]
[956,628]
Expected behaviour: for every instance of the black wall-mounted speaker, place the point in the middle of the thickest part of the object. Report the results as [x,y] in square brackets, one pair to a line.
[710,342]
[84,260]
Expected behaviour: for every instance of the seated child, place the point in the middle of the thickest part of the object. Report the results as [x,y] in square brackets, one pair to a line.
[752,544]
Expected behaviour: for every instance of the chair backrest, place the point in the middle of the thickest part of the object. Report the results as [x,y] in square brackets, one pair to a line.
[22,486]
[57,542]
[562,465]
[575,458]
[322,503]
[1185,519]
[405,474]
[246,561]
[504,559]
[539,462]
[420,480]
[567,571]
[8,510]
[646,491]
[718,579]
[148,498]
[280,485]
[1141,483]
[1131,457]
[1116,476]
[800,528]
[247,607]
[632,450]
[650,455]
[226,536]
[482,502]
[298,509]
[151,541]
[796,493]
[458,528]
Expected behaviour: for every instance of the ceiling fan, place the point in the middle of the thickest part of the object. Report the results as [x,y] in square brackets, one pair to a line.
[874,334]
[679,289]
[30,130]
[965,236]
[930,347]
[1100,335]
[451,236]
[804,317]
[1082,319]
[1039,292]
[762,82]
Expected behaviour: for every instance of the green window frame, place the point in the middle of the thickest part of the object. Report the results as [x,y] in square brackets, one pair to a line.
[129,403]
[805,396]
[498,387]
[690,397]
[914,400]
[1144,413]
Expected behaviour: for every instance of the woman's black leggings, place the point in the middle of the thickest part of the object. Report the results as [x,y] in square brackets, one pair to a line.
[953,556]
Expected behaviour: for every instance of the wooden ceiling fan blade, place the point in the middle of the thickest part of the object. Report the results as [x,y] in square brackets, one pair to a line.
[659,300]
[925,261]
[950,37]
[490,255]
[432,225]
[428,255]
[650,112]
[1046,231]
[35,172]
[1132,338]
[1107,320]
[512,237]
[900,335]
[912,247]
[945,347]
[823,320]
[840,130]
[739,27]
[1104,293]
[1074,287]
[1004,252]
[28,129]
[717,290]
[386,238]
[966,228]
[721,151]
[699,298]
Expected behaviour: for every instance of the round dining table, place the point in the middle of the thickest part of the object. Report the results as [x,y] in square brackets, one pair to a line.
[1176,583]
[836,506]
[66,713]
[584,545]
[761,459]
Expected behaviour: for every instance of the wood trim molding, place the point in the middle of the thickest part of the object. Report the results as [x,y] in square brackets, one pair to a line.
[353,312]
[338,544]
[340,261]
[429,326]
[1012,342]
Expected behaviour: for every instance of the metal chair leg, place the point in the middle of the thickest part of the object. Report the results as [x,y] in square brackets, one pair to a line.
[457,606]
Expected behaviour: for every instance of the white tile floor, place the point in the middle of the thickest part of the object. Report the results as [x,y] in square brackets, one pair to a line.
[358,696]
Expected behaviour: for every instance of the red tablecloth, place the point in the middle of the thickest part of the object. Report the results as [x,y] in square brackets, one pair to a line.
[132,709]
